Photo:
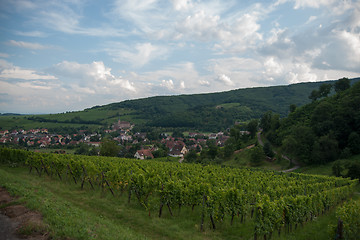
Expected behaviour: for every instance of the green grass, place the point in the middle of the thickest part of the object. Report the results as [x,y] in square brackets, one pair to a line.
[88,214]
[326,169]
[72,213]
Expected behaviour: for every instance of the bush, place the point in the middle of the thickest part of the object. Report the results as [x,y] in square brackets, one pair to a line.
[350,215]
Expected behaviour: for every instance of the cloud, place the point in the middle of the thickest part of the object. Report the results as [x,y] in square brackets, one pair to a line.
[143,54]
[200,26]
[312,4]
[31,34]
[95,76]
[9,71]
[225,79]
[273,69]
[34,46]
[301,73]
[182,85]
[182,4]
[204,83]
[169,84]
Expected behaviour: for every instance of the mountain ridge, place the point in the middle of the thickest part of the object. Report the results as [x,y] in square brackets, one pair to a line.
[204,112]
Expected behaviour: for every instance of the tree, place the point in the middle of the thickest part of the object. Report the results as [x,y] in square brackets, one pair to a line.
[177,133]
[314,95]
[230,147]
[325,150]
[321,119]
[109,148]
[354,171]
[337,169]
[212,149]
[342,84]
[191,156]
[292,108]
[252,127]
[265,121]
[300,142]
[257,156]
[83,149]
[325,89]
[354,143]
[268,150]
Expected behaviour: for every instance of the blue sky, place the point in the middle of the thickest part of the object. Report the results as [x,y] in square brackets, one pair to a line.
[58,56]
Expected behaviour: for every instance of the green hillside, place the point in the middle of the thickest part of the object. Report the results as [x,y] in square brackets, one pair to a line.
[206,112]
[322,131]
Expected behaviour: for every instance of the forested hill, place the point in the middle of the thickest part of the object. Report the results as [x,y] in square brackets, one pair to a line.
[204,112]
[322,131]
[217,111]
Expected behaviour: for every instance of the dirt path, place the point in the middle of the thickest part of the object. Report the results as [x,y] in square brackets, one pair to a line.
[296,164]
[17,222]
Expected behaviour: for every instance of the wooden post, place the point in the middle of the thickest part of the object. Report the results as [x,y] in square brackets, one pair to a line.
[107,183]
[37,170]
[45,167]
[203,214]
[72,174]
[56,171]
[339,231]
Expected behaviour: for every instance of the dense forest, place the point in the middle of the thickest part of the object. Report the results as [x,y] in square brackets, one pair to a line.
[322,131]
[217,111]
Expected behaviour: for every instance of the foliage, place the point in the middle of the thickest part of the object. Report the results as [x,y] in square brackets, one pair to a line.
[278,200]
[342,84]
[109,148]
[320,131]
[205,112]
[257,156]
[268,150]
[350,215]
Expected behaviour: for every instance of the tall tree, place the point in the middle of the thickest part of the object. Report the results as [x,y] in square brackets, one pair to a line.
[342,84]
[252,127]
[109,148]
[325,89]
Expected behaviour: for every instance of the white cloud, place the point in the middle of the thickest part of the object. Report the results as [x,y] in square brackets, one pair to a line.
[311,19]
[94,75]
[182,85]
[143,54]
[9,71]
[312,3]
[169,84]
[200,26]
[31,34]
[301,73]
[225,79]
[273,69]
[182,4]
[34,46]
[204,83]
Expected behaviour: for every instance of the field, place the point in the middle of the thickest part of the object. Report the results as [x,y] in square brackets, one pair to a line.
[85,213]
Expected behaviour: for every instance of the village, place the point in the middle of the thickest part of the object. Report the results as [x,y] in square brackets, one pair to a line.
[121,132]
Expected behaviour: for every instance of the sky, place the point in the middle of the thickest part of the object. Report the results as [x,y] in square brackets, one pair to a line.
[68,55]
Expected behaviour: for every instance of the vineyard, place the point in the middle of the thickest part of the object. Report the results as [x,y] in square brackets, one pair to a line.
[276,201]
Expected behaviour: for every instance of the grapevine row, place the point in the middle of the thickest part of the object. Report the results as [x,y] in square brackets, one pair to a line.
[276,200]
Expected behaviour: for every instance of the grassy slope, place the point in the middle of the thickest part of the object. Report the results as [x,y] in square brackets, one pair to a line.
[86,214]
[326,169]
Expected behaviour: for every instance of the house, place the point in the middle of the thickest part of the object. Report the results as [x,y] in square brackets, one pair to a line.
[143,154]
[221,140]
[212,136]
[178,151]
[121,125]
